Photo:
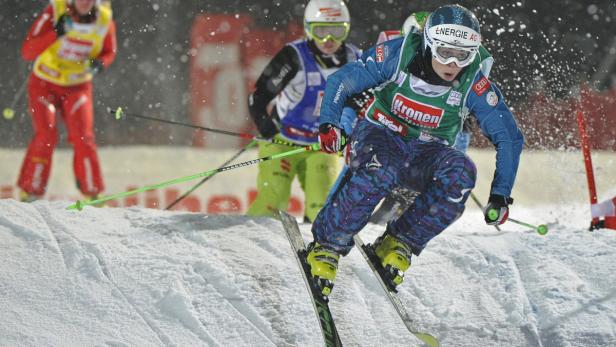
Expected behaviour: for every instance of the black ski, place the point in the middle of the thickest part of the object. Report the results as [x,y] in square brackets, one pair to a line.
[320,303]
[368,253]
[394,205]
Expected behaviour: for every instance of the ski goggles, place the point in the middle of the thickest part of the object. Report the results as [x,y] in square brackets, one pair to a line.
[448,54]
[322,32]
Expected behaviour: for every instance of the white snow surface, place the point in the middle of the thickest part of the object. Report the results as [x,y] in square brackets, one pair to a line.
[141,277]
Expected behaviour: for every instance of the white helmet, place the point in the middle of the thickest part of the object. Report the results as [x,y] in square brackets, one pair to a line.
[453,34]
[327,20]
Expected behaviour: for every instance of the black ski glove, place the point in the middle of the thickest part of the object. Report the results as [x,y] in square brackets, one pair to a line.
[268,126]
[497,209]
[63,25]
[96,66]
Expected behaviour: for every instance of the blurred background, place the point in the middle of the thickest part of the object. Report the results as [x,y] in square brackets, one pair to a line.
[196,61]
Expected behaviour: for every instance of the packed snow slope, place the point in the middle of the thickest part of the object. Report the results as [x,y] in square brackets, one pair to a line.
[139,277]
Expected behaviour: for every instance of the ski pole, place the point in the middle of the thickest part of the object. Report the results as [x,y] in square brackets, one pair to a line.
[476,200]
[9,112]
[205,179]
[78,205]
[119,113]
[541,229]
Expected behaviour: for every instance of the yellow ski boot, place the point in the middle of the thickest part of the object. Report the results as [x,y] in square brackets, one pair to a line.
[395,257]
[323,266]
[28,197]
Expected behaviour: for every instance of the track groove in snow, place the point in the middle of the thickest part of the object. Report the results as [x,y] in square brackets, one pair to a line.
[92,250]
[176,303]
[219,283]
[204,271]
[266,328]
[235,304]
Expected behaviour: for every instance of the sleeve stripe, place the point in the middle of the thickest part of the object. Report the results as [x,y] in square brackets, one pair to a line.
[39,24]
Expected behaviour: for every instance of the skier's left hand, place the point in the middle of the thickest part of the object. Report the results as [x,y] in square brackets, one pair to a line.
[331,138]
[497,209]
[63,25]
[96,66]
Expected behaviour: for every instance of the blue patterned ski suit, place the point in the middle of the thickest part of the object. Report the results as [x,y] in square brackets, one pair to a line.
[381,160]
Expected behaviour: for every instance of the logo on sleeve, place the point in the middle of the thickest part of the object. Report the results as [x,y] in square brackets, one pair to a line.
[492,98]
[380,53]
[416,113]
[481,86]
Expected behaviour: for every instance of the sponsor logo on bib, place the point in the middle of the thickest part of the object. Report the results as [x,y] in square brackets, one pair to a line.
[314,79]
[454,99]
[74,49]
[389,122]
[416,113]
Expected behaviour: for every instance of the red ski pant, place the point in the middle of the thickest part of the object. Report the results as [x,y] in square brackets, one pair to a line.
[74,104]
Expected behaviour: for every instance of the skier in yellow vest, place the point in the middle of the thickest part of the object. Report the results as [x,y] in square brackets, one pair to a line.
[69,42]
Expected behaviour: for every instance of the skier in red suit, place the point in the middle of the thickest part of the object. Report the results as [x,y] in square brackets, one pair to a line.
[70,42]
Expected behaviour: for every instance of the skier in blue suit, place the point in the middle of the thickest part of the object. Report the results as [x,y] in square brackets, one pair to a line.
[394,204]
[426,85]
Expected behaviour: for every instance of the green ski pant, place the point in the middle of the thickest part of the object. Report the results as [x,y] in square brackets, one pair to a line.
[316,171]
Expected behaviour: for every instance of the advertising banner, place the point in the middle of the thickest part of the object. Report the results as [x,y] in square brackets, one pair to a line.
[546,177]
[127,168]
[226,59]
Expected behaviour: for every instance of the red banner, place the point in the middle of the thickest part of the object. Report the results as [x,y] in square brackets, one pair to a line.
[227,57]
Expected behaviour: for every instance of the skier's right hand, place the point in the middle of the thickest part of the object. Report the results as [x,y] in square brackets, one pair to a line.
[63,25]
[331,138]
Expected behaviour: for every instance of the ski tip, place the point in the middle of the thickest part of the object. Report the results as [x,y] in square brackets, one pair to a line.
[428,339]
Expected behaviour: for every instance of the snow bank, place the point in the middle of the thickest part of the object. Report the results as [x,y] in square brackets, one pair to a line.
[132,276]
